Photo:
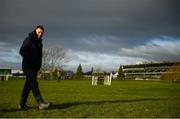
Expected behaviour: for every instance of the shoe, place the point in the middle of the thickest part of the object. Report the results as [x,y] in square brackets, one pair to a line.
[24,107]
[43,105]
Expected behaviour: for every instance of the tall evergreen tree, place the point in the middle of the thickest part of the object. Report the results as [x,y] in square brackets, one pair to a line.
[92,70]
[79,73]
[120,74]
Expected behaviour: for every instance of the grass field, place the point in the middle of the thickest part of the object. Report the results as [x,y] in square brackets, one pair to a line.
[77,98]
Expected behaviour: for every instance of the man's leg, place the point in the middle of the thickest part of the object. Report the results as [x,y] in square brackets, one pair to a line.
[25,91]
[34,85]
[36,91]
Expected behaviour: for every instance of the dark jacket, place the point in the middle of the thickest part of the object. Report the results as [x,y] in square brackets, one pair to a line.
[31,51]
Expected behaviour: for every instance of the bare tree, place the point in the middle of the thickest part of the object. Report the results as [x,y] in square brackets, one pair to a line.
[53,59]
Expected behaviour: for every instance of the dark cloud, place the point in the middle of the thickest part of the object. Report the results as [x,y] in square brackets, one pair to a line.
[157,50]
[93,26]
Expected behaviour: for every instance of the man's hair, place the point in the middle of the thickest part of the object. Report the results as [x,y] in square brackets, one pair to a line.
[40,26]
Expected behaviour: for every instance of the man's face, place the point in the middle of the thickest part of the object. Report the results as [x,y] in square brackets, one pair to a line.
[39,32]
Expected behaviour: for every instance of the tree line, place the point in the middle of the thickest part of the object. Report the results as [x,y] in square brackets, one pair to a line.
[54,59]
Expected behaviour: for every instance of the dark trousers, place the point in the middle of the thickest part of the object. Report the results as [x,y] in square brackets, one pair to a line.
[30,84]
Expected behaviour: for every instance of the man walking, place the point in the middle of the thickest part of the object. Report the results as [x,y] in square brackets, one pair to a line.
[31,51]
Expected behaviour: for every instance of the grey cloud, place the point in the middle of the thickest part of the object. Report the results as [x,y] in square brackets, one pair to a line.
[102,26]
[9,53]
[166,51]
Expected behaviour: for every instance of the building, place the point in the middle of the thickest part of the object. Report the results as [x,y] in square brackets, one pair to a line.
[147,70]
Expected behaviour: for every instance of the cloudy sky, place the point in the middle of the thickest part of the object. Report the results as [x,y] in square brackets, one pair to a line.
[99,33]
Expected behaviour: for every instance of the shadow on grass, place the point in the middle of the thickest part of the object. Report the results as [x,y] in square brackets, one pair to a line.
[67,105]
[15,110]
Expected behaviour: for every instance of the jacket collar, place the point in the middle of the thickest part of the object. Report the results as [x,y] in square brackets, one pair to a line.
[34,37]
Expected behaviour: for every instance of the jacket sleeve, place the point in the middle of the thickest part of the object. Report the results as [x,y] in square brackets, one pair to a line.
[25,48]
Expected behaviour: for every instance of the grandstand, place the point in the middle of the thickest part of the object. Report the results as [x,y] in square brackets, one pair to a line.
[147,70]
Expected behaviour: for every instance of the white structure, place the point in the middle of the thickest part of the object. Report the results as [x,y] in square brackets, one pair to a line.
[101,78]
[107,79]
[16,71]
[114,76]
[94,80]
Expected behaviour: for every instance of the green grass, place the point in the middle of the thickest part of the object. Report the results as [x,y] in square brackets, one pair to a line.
[77,98]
